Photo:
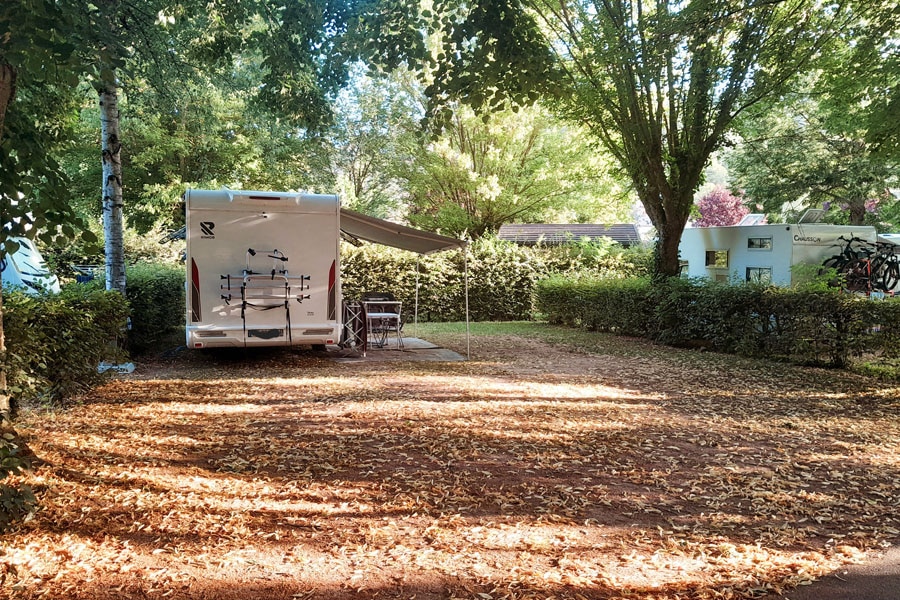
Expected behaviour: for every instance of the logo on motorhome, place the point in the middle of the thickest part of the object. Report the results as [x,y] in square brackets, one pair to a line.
[206,230]
[807,239]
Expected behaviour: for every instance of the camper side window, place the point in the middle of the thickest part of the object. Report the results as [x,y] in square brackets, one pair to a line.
[759,243]
[759,275]
[717,259]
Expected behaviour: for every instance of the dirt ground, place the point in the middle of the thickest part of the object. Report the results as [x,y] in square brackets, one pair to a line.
[531,471]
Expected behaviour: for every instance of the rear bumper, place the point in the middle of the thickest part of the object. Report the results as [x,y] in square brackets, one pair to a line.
[237,337]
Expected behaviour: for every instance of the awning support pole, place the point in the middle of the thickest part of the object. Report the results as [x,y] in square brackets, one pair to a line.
[416,313]
[466,267]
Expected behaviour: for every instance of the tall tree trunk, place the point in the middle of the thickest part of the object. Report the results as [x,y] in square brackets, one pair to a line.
[668,210]
[7,95]
[667,258]
[111,146]
[857,211]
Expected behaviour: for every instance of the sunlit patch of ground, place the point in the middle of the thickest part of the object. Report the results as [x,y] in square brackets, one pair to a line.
[532,471]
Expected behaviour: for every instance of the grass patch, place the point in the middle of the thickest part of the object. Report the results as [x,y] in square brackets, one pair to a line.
[581,341]
[573,339]
[884,372]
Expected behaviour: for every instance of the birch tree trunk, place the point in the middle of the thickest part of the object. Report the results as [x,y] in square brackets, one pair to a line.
[111,146]
[7,95]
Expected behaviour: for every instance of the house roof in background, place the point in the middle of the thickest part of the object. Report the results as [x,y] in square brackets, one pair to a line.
[529,234]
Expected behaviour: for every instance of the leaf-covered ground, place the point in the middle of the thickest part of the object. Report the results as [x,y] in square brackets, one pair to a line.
[535,470]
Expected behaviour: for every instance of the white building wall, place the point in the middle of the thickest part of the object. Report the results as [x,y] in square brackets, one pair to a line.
[767,252]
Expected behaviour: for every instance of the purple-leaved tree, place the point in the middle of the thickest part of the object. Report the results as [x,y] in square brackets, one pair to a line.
[720,208]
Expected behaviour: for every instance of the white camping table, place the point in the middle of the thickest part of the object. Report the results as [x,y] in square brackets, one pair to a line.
[383,318]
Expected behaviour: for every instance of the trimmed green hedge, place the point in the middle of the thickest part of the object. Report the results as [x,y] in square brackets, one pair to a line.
[501,275]
[156,296]
[501,278]
[156,303]
[805,326]
[55,342]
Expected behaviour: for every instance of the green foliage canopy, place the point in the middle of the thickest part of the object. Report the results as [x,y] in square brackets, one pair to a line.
[793,155]
[658,82]
[40,66]
[376,132]
[517,166]
[202,137]
[831,141]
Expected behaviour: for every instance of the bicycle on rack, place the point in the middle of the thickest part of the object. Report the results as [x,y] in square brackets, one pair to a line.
[852,249]
[885,266]
[866,267]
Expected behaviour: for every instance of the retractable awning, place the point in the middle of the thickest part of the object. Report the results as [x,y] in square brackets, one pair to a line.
[379,231]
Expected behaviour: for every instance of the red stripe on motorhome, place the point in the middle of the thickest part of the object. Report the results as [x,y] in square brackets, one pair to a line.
[195,293]
[332,291]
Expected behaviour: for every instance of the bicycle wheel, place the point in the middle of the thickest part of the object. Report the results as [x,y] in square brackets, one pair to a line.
[890,276]
[878,271]
[835,262]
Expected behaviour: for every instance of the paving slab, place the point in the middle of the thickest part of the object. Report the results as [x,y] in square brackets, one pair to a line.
[877,579]
[414,350]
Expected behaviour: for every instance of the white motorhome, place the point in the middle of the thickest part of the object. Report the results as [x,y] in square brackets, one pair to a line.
[25,268]
[762,253]
[262,268]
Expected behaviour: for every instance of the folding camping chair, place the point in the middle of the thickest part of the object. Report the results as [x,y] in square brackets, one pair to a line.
[383,318]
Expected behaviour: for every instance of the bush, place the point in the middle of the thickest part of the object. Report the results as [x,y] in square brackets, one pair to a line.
[616,306]
[16,503]
[156,300]
[603,258]
[501,280]
[370,268]
[156,296]
[809,326]
[501,275]
[55,342]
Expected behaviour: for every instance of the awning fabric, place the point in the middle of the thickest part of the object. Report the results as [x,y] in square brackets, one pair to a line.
[379,231]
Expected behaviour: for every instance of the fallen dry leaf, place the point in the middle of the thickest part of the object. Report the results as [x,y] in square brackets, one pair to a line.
[532,471]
